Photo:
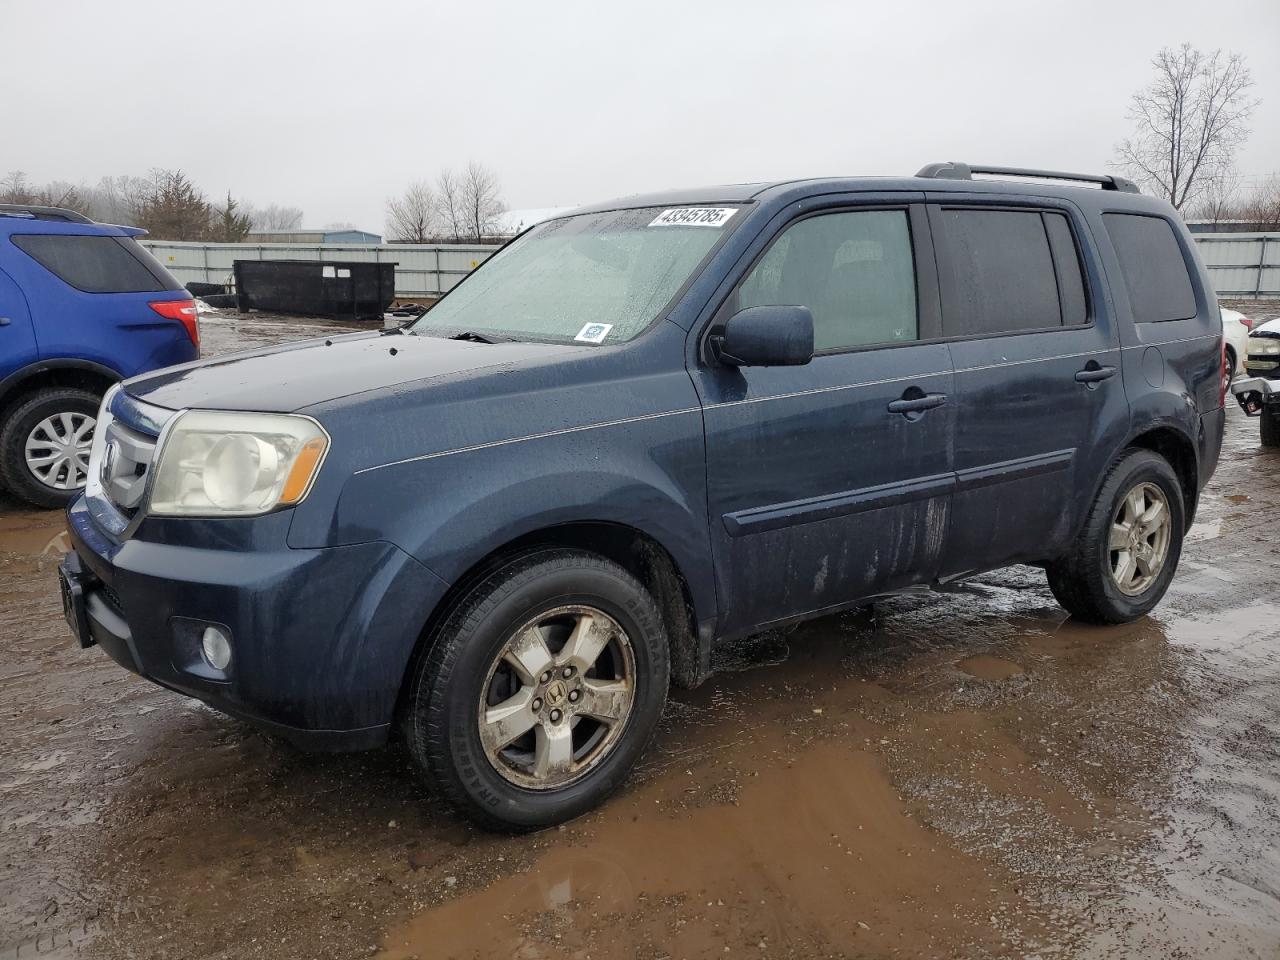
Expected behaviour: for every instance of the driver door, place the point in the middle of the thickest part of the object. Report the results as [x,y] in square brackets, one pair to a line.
[822,491]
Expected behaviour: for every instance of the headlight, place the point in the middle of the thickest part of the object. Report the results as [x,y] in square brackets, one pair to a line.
[216,463]
[1263,345]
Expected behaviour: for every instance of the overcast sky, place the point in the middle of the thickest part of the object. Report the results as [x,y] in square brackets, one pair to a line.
[334,106]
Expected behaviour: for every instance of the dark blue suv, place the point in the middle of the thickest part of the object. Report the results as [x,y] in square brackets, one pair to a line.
[642,430]
[82,306]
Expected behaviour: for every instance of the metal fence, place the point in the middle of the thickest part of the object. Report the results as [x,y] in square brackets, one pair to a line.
[426,270]
[1242,264]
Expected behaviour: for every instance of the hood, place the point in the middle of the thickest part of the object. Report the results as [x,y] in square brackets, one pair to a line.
[1269,329]
[290,376]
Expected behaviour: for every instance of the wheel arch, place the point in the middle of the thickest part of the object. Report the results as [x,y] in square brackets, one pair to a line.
[82,374]
[1179,450]
[636,551]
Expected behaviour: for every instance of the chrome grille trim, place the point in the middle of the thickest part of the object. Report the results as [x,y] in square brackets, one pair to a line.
[124,445]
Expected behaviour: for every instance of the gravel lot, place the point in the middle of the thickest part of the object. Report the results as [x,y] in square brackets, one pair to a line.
[963,774]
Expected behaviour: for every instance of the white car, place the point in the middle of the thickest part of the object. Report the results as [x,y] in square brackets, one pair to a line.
[1236,327]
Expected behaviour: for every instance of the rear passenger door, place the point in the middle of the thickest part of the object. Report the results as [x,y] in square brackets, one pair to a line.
[830,481]
[17,340]
[1038,383]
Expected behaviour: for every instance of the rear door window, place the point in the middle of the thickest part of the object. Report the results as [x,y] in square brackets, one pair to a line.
[854,270]
[98,264]
[1153,267]
[996,272]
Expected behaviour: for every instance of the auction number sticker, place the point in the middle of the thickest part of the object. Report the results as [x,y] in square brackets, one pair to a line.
[594,333]
[694,217]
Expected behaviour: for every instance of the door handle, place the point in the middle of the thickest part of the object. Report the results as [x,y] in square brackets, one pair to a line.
[917,404]
[1094,374]
[5,321]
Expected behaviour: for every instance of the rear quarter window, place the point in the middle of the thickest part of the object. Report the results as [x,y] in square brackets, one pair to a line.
[1153,267]
[97,264]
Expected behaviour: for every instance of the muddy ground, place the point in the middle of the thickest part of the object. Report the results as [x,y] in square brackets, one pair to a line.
[969,774]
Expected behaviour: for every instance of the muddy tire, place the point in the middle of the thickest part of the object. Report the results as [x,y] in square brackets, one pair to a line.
[1127,552]
[539,691]
[1270,426]
[48,423]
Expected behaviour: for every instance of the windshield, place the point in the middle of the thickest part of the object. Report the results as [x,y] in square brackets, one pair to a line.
[593,278]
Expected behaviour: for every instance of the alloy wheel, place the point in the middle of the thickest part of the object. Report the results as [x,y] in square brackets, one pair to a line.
[1139,543]
[557,697]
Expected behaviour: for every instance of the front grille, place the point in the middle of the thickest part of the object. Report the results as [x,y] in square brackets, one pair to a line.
[112,598]
[124,447]
[126,459]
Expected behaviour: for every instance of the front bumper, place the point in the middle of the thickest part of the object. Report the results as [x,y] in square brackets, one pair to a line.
[321,638]
[1254,393]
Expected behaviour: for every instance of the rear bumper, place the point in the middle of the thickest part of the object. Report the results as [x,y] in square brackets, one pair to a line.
[320,638]
[1254,393]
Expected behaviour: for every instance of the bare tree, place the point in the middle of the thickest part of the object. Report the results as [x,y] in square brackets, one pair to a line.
[1262,206]
[1189,123]
[117,199]
[1219,201]
[16,188]
[450,209]
[274,217]
[481,201]
[411,216]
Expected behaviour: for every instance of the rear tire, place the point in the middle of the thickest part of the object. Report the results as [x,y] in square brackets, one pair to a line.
[1120,566]
[1270,426]
[39,419]
[555,644]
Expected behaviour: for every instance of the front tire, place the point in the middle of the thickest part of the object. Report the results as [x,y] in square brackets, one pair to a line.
[1126,554]
[540,690]
[44,445]
[1270,426]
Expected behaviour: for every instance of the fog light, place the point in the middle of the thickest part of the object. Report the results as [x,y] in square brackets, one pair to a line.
[216,647]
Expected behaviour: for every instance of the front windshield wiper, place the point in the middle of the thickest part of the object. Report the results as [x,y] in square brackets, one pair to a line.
[480,337]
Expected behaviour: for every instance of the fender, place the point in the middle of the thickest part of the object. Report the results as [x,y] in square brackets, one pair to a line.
[452,512]
[23,374]
[1191,495]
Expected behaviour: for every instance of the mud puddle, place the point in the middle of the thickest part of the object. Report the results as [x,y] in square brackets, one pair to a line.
[815,856]
[34,534]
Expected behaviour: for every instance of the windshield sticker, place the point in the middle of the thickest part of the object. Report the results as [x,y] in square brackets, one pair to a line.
[694,217]
[594,333]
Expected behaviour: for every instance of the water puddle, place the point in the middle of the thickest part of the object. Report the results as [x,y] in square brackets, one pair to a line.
[817,855]
[986,667]
[34,534]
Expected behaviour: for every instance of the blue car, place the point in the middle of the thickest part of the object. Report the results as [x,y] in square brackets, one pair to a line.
[645,430]
[82,306]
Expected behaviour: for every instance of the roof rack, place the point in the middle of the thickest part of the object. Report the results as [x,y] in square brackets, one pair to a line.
[34,212]
[965,171]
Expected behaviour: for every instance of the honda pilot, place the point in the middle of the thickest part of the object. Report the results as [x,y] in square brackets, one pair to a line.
[644,430]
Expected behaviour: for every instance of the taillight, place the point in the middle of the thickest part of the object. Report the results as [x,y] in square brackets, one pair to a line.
[184,311]
[1248,324]
[1225,380]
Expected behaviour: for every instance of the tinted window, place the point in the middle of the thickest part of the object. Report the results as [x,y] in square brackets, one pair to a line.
[1066,261]
[98,264]
[1153,268]
[995,272]
[855,271]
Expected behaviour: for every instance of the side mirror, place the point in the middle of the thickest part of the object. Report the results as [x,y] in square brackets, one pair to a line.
[773,336]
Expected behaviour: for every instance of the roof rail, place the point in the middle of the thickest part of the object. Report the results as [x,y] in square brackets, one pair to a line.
[965,171]
[31,211]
